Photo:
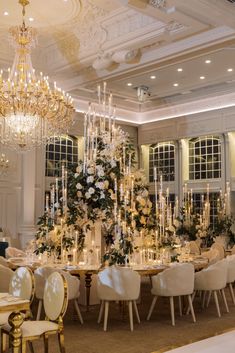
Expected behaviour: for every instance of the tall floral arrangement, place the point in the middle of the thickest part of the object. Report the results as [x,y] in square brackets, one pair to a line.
[103,187]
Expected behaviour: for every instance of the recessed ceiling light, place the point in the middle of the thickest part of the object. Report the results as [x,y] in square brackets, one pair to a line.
[202,77]
[31,19]
[129,84]
[179,69]
[208,61]
[175,84]
[152,77]
[6,13]
[230,69]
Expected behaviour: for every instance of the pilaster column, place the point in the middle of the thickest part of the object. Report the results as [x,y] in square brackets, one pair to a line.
[28,227]
[179,175]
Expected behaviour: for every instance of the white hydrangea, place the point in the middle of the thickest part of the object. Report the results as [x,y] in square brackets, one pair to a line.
[90,179]
[91,191]
[90,170]
[113,163]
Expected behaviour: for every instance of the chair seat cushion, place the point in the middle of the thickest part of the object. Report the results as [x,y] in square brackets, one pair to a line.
[34,328]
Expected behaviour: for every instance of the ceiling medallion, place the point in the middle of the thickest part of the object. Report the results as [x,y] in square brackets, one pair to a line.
[158,3]
[31,113]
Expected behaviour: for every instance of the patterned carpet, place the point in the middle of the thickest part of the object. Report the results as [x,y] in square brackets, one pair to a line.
[147,336]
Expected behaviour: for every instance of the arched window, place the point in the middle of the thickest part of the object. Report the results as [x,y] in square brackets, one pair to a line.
[162,156]
[63,149]
[205,158]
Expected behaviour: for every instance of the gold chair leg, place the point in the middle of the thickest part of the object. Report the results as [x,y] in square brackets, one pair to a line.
[61,342]
[31,346]
[23,346]
[3,342]
[46,346]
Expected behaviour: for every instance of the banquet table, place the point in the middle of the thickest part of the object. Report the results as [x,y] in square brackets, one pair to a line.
[221,343]
[14,305]
[89,270]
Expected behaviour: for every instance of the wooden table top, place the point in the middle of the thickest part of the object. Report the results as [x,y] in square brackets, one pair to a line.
[10,303]
[143,270]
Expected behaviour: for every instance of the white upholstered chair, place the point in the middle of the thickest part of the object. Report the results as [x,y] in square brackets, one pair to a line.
[14,252]
[194,248]
[219,247]
[41,275]
[233,250]
[118,284]
[5,278]
[212,255]
[212,280]
[175,281]
[55,302]
[231,275]
[3,261]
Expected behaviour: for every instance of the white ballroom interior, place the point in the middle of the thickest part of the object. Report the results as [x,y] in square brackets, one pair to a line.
[148,96]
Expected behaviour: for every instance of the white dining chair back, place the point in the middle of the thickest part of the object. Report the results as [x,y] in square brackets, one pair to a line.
[41,275]
[231,275]
[219,247]
[213,280]
[176,281]
[55,298]
[5,278]
[22,283]
[14,252]
[212,255]
[55,303]
[118,284]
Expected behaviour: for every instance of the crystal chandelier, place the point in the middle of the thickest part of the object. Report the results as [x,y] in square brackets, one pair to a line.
[4,164]
[31,113]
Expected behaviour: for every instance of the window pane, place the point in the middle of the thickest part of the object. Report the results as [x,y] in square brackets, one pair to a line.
[65,150]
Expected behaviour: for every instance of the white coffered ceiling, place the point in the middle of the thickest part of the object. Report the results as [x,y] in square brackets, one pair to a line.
[76,35]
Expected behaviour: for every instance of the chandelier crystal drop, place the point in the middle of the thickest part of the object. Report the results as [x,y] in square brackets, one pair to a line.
[31,112]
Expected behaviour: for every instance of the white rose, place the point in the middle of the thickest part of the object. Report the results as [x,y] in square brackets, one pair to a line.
[87,195]
[91,191]
[100,173]
[90,170]
[90,179]
[79,186]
